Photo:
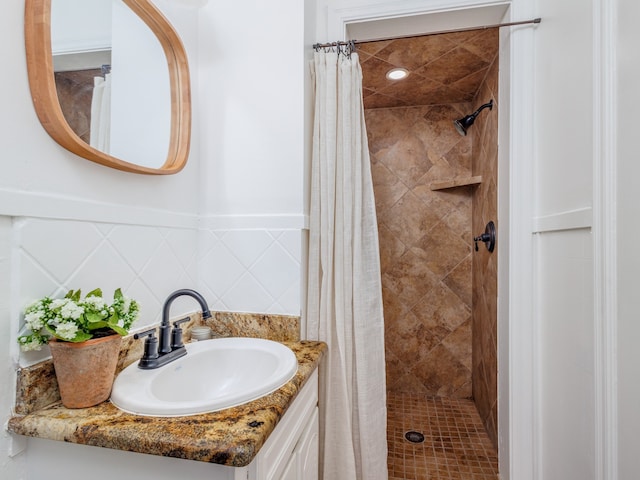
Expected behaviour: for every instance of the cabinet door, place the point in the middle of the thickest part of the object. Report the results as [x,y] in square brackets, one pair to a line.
[284,442]
[308,450]
[291,470]
[303,463]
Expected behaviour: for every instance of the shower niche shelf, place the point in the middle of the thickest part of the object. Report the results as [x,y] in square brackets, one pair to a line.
[457,182]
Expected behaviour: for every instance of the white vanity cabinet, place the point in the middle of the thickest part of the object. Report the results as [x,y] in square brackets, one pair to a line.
[303,463]
[291,451]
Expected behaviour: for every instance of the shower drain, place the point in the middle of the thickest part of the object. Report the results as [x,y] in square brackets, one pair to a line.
[414,437]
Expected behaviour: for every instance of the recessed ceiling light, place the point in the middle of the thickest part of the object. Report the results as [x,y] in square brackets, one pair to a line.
[397,73]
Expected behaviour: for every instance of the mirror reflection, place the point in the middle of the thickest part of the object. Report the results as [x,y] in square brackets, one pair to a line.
[112,79]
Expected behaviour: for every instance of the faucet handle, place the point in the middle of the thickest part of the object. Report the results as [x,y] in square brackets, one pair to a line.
[181,321]
[147,333]
[176,333]
[150,355]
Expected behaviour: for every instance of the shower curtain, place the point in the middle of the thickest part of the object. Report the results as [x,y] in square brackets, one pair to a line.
[344,298]
[100,127]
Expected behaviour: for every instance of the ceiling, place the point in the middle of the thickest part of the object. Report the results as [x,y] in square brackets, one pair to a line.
[443,69]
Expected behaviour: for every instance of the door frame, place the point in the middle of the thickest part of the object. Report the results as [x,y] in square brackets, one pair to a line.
[517,340]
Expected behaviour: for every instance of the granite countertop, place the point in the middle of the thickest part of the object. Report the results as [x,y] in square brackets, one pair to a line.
[230,437]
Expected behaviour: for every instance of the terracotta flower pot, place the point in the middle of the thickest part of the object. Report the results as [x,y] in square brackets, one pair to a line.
[85,371]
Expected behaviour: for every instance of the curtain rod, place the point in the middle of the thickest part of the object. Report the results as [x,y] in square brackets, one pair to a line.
[455,30]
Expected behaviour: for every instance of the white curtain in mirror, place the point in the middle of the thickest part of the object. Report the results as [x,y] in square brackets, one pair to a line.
[344,298]
[100,132]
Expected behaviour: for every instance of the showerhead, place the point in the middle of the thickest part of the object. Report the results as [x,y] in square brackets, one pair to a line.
[463,124]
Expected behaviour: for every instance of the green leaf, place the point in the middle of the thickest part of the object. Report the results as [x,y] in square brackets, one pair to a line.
[93,317]
[73,295]
[80,337]
[117,294]
[96,325]
[118,330]
[95,293]
[113,325]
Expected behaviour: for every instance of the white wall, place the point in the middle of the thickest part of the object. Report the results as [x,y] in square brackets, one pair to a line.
[13,468]
[564,152]
[252,71]
[563,100]
[248,160]
[567,418]
[230,224]
[628,222]
[67,222]
[251,67]
[10,468]
[36,169]
[74,218]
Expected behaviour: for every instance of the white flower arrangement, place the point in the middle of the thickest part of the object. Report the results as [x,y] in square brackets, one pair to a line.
[73,319]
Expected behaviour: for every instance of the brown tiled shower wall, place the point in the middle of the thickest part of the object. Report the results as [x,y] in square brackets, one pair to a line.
[427,259]
[75,90]
[485,264]
[425,247]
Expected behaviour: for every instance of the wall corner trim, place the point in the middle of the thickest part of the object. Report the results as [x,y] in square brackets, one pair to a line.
[15,203]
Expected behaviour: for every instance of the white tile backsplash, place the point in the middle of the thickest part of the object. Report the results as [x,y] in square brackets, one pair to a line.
[253,270]
[276,270]
[34,280]
[58,255]
[184,244]
[247,295]
[236,270]
[291,241]
[162,272]
[220,269]
[150,304]
[247,245]
[59,246]
[289,301]
[138,253]
[103,268]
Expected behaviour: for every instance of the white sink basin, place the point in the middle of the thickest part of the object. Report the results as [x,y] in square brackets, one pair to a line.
[214,375]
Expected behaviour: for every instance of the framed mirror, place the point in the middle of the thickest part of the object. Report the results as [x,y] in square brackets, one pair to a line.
[130,75]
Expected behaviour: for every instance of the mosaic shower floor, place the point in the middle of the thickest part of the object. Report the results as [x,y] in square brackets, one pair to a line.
[455,447]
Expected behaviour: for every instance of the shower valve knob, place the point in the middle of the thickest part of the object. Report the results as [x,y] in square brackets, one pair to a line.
[488,237]
[481,238]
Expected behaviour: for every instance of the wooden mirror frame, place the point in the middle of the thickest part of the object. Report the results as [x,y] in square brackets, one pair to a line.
[37,21]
